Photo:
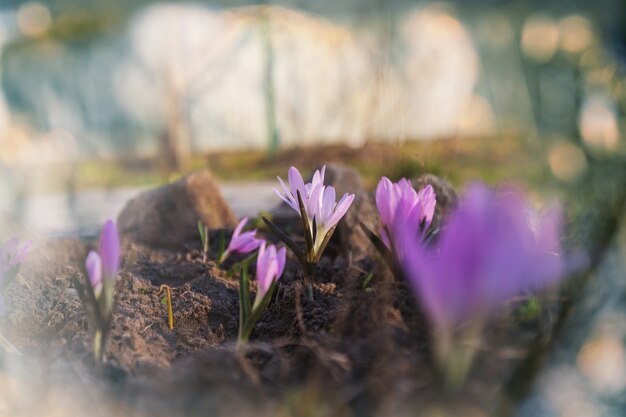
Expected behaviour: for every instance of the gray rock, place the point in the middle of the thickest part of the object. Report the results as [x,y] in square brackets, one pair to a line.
[345,179]
[350,236]
[447,198]
[167,217]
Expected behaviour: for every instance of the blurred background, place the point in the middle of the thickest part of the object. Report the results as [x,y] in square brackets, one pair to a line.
[98,98]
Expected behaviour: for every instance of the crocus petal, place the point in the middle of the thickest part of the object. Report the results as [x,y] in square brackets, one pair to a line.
[270,266]
[281,258]
[110,249]
[315,201]
[242,242]
[240,227]
[316,179]
[245,243]
[340,210]
[287,200]
[261,261]
[20,255]
[10,246]
[265,268]
[428,202]
[384,200]
[328,204]
[287,197]
[93,265]
[297,184]
[286,189]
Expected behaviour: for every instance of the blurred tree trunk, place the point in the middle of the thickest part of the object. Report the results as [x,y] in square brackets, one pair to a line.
[176,140]
[273,134]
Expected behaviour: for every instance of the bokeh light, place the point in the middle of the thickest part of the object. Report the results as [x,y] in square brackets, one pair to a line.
[540,37]
[33,19]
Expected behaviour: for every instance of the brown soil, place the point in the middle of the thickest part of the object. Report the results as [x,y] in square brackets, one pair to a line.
[349,352]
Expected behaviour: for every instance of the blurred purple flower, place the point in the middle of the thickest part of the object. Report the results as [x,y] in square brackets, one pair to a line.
[110,249]
[93,264]
[104,264]
[242,242]
[270,265]
[487,254]
[417,207]
[12,254]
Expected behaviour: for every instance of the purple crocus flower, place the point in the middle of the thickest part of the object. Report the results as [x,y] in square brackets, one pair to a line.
[270,265]
[310,192]
[242,242]
[328,213]
[318,200]
[416,206]
[104,264]
[487,254]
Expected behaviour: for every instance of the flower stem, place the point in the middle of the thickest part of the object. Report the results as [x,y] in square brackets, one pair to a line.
[98,347]
[242,338]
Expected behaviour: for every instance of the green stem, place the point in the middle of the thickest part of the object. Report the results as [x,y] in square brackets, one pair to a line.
[98,347]
[454,353]
[309,277]
[243,337]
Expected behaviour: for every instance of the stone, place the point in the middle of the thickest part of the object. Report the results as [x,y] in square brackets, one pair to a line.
[352,238]
[167,217]
[353,241]
[345,179]
[447,198]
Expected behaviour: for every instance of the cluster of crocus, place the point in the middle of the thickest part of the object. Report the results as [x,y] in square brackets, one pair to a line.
[11,257]
[269,268]
[401,200]
[316,205]
[101,269]
[241,243]
[488,254]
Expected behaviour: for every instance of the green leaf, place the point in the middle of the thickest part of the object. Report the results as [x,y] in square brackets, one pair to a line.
[431,235]
[368,280]
[384,251]
[308,235]
[286,240]
[260,305]
[164,300]
[222,245]
[322,247]
[244,295]
[202,231]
